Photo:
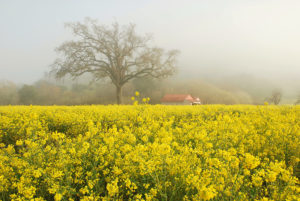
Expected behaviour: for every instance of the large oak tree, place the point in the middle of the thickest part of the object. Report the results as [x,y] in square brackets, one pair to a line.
[115,52]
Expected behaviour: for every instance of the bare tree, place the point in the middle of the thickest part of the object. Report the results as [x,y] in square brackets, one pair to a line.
[298,100]
[113,52]
[275,97]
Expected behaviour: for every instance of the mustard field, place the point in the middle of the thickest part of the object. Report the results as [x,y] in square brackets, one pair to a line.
[145,152]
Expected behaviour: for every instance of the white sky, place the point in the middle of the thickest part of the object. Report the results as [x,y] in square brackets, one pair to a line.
[260,37]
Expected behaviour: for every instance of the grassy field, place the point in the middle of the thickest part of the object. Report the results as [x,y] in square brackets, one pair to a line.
[149,152]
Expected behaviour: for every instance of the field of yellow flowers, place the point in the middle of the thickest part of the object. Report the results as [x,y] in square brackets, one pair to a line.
[145,152]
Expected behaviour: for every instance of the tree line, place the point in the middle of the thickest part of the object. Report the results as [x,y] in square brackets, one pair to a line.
[46,92]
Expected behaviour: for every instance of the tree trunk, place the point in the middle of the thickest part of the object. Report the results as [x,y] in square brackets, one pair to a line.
[119,94]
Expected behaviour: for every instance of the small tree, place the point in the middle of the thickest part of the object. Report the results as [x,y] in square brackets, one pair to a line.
[114,52]
[298,100]
[27,94]
[275,97]
[8,93]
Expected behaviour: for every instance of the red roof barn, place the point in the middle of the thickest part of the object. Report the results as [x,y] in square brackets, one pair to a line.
[178,99]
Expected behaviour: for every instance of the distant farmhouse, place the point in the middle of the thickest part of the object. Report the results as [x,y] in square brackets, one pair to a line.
[180,99]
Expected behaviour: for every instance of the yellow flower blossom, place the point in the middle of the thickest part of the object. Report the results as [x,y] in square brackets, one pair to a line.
[113,188]
[251,161]
[58,197]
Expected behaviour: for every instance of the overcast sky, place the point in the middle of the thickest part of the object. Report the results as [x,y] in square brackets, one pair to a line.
[260,37]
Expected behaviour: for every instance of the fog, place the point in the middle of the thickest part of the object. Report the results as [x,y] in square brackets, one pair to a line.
[221,41]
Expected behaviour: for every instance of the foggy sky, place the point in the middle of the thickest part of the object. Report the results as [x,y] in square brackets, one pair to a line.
[260,37]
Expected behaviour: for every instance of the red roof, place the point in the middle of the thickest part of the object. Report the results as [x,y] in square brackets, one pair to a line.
[177,98]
